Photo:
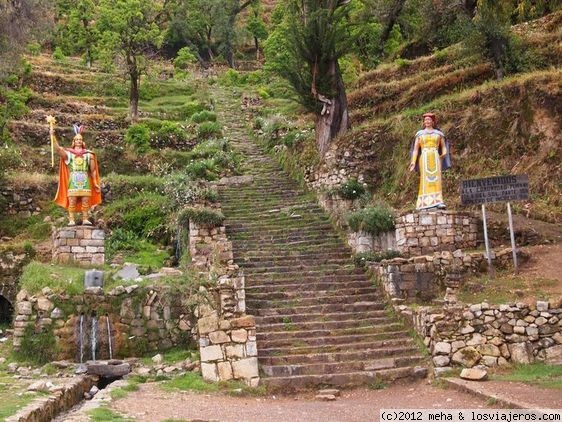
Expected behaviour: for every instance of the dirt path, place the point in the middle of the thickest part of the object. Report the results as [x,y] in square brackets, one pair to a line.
[151,403]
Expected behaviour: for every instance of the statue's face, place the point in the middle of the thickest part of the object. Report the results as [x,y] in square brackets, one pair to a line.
[428,122]
[78,142]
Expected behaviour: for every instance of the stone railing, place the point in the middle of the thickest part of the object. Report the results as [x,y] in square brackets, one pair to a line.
[489,335]
[423,233]
[132,320]
[227,336]
[83,245]
[423,277]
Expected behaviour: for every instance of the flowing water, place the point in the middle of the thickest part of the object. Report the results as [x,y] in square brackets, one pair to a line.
[109,336]
[94,336]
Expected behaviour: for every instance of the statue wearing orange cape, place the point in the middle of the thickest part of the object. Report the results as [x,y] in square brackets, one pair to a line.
[79,180]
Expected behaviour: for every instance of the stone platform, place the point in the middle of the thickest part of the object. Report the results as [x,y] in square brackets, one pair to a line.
[82,245]
[425,232]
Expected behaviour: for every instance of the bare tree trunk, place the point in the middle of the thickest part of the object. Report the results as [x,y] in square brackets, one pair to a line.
[391,19]
[334,118]
[134,91]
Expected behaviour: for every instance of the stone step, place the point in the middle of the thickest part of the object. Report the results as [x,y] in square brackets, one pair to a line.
[234,230]
[321,308]
[315,300]
[300,245]
[342,253]
[400,361]
[290,261]
[330,340]
[290,335]
[290,325]
[311,285]
[299,272]
[341,380]
[306,292]
[277,237]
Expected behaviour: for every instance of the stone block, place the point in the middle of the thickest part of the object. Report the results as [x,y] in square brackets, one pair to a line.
[77,249]
[98,235]
[218,337]
[208,324]
[209,372]
[467,357]
[66,234]
[520,353]
[441,360]
[489,350]
[239,336]
[225,371]
[554,354]
[44,304]
[211,353]
[247,321]
[442,348]
[251,348]
[245,368]
[474,374]
[235,351]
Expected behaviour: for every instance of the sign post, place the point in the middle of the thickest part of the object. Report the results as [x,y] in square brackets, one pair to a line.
[496,189]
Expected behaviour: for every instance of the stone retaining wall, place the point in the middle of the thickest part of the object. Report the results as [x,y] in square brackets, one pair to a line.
[83,245]
[46,408]
[489,335]
[423,277]
[422,233]
[366,242]
[22,202]
[11,266]
[227,336]
[141,320]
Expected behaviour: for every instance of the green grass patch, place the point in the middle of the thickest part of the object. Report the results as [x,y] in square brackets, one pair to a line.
[505,287]
[190,382]
[202,216]
[60,278]
[33,227]
[103,414]
[539,374]
[173,356]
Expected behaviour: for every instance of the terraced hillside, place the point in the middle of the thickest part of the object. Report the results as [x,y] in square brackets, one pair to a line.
[320,320]
[495,127]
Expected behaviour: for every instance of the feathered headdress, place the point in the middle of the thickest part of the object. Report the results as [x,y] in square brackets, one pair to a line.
[78,129]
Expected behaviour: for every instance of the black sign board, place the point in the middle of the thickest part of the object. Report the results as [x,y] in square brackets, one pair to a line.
[495,189]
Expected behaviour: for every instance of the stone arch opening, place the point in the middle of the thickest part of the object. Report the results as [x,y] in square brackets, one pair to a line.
[6,311]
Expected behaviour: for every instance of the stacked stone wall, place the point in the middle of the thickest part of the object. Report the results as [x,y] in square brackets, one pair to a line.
[366,242]
[141,320]
[21,202]
[423,233]
[227,336]
[83,245]
[423,277]
[489,335]
[11,266]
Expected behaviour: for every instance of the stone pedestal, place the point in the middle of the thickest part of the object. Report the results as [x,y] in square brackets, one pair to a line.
[425,232]
[82,245]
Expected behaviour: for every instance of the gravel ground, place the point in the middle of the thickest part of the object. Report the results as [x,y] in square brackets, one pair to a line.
[151,403]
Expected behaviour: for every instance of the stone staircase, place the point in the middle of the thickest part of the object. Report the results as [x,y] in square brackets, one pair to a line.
[320,320]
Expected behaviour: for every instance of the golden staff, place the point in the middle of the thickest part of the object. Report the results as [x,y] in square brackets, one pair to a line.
[51,120]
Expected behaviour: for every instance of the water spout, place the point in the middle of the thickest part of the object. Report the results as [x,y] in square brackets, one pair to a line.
[109,336]
[94,335]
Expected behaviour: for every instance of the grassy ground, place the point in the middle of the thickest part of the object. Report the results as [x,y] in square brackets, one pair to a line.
[504,288]
[539,374]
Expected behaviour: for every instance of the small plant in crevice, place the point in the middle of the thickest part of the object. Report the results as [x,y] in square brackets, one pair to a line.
[362,258]
[352,189]
[38,345]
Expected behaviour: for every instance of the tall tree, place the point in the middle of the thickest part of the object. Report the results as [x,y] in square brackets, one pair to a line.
[20,20]
[129,30]
[76,32]
[257,28]
[305,50]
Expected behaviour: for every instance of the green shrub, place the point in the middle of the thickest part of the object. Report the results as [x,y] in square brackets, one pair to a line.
[190,108]
[202,216]
[263,93]
[10,158]
[128,185]
[58,54]
[34,48]
[373,220]
[203,169]
[209,129]
[38,345]
[171,130]
[184,59]
[231,78]
[138,136]
[208,148]
[364,257]
[135,250]
[204,116]
[352,189]
[143,214]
